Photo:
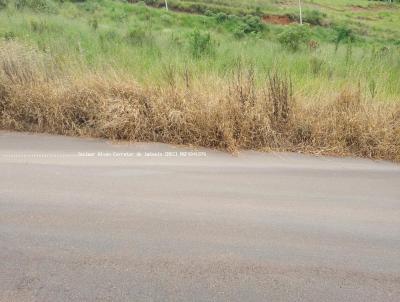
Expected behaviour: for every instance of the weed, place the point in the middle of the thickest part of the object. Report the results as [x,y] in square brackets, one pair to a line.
[138,36]
[373,89]
[316,65]
[201,44]
[281,98]
[47,6]
[32,99]
[94,23]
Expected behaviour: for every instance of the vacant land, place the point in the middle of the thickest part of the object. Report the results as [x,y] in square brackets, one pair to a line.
[224,74]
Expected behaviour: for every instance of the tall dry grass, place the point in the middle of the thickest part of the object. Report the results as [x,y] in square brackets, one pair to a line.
[36,95]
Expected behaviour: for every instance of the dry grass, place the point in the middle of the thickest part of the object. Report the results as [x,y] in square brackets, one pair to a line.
[35,95]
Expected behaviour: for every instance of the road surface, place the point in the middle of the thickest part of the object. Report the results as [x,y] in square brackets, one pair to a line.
[91,220]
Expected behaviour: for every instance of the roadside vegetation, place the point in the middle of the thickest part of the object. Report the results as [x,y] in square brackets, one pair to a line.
[238,76]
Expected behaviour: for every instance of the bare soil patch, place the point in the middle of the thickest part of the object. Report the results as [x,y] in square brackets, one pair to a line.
[276,19]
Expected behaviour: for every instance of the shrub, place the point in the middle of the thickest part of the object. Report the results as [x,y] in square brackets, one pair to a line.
[3,4]
[252,24]
[258,12]
[248,25]
[200,44]
[343,34]
[294,37]
[9,35]
[238,33]
[314,17]
[221,17]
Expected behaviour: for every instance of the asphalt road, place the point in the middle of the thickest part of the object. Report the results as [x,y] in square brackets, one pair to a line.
[90,220]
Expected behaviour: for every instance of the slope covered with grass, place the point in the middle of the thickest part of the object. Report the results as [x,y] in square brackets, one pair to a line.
[219,78]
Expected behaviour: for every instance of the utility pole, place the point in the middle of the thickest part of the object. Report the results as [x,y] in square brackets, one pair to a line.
[301,15]
[166,4]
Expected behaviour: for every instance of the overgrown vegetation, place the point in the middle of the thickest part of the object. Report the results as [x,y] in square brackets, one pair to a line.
[224,78]
[235,114]
[294,37]
[200,44]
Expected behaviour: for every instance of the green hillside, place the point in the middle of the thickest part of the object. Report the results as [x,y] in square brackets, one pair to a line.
[354,41]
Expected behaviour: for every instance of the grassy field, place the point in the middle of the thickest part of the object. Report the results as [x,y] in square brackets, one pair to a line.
[212,73]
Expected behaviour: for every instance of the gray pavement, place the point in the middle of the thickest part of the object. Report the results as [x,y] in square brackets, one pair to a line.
[92,220]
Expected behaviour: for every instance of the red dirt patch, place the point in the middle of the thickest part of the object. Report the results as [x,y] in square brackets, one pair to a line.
[276,19]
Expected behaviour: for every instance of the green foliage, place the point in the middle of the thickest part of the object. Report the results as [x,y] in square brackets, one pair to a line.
[37,5]
[90,32]
[9,35]
[38,26]
[3,4]
[42,26]
[151,2]
[138,36]
[343,34]
[94,23]
[314,17]
[109,37]
[221,17]
[294,37]
[316,65]
[248,25]
[201,44]
[90,6]
[252,24]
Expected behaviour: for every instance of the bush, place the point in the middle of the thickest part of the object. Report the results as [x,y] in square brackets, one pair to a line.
[221,17]
[9,35]
[3,4]
[252,24]
[238,33]
[200,44]
[314,17]
[294,37]
[258,12]
[343,34]
[248,25]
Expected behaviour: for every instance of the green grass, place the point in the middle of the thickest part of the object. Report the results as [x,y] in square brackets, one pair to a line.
[153,45]
[375,19]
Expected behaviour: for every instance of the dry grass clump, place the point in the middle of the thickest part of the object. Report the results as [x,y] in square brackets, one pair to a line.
[239,115]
